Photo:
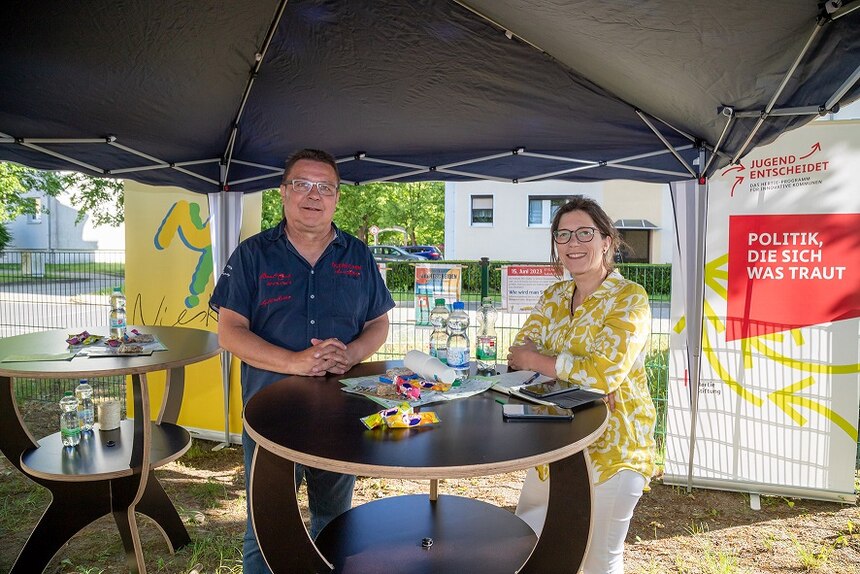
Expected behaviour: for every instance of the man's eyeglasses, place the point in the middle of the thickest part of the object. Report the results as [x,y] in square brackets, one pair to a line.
[583,234]
[305,186]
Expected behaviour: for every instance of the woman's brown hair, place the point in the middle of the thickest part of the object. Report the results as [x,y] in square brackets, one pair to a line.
[601,222]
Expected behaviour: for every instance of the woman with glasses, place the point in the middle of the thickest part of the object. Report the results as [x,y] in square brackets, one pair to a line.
[592,330]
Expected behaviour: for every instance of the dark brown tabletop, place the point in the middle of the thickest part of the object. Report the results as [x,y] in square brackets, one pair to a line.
[311,421]
[184,346]
[108,473]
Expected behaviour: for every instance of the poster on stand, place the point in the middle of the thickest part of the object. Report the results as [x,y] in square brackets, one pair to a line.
[777,402]
[522,286]
[434,281]
[168,231]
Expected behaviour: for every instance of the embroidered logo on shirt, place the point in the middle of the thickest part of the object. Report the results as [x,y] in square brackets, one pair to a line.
[278,299]
[347,269]
[277,279]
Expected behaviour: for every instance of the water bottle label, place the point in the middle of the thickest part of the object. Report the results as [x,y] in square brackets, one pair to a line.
[486,348]
[458,357]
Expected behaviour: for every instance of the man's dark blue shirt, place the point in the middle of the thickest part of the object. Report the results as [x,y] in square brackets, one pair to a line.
[288,302]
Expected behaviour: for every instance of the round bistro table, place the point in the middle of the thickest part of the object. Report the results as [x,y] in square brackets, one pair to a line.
[310,421]
[109,472]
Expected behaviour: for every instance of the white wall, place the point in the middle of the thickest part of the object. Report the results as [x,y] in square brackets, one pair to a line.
[511,238]
[58,230]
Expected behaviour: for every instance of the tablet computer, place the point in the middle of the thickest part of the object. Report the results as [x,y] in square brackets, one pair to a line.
[535,412]
[548,388]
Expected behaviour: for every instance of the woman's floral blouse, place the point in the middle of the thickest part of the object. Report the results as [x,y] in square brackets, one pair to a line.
[602,346]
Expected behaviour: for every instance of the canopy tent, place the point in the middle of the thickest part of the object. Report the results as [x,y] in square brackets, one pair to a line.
[213,95]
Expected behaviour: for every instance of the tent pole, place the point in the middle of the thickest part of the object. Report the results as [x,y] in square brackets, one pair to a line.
[695,307]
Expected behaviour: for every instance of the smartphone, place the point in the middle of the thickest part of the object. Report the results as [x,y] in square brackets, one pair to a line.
[549,388]
[535,412]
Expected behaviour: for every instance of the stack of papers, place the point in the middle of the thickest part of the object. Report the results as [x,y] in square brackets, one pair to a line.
[367,386]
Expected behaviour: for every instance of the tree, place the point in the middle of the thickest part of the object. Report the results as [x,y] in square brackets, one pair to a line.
[360,207]
[101,199]
[419,208]
[273,209]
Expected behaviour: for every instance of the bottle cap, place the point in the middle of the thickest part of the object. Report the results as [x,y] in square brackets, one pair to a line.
[487,301]
[458,305]
[440,301]
[68,394]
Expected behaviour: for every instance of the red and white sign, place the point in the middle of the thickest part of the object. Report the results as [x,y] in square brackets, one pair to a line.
[790,271]
[779,387]
[522,286]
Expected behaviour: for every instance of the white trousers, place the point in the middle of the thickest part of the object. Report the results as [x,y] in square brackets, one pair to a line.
[613,504]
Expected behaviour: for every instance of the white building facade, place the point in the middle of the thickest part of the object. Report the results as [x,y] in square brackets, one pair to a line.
[54,227]
[510,222]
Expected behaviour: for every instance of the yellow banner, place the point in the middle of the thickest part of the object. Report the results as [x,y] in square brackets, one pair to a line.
[169,279]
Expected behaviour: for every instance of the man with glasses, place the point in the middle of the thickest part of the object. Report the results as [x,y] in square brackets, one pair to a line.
[302,298]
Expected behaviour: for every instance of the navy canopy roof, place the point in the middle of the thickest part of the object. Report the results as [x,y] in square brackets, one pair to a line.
[212,94]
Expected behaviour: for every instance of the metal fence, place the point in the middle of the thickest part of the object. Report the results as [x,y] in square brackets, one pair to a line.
[59,289]
[70,289]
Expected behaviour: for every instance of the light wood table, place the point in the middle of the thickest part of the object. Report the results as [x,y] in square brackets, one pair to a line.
[109,472]
[311,421]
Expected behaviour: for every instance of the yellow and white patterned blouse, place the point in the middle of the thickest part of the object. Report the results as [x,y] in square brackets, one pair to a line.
[602,346]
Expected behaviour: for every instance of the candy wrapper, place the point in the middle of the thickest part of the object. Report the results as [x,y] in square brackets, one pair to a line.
[135,336]
[400,417]
[407,420]
[434,386]
[402,373]
[409,390]
[376,419]
[83,338]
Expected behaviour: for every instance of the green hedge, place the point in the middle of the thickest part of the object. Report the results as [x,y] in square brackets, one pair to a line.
[656,278]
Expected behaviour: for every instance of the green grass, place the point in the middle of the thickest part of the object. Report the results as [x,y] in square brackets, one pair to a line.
[17,511]
[208,494]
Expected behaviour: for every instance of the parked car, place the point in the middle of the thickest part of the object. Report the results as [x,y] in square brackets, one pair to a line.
[425,251]
[384,253]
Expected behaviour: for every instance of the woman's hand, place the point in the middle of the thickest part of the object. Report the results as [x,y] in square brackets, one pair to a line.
[521,357]
[610,401]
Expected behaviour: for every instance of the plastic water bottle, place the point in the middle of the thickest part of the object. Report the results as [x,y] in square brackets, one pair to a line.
[439,336]
[70,428]
[117,314]
[486,348]
[84,394]
[458,340]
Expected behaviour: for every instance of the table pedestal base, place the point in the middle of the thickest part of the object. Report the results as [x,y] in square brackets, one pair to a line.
[74,505]
[468,536]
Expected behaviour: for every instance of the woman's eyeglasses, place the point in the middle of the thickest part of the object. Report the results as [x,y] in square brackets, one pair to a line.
[583,234]
[305,186]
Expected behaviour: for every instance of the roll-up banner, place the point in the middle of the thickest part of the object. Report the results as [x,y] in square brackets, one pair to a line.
[780,378]
[435,281]
[170,275]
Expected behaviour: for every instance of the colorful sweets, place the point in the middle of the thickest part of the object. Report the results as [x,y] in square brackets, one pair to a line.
[400,417]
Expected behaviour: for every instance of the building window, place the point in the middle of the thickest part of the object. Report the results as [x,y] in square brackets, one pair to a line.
[36,216]
[542,209]
[482,210]
[636,233]
[638,245]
